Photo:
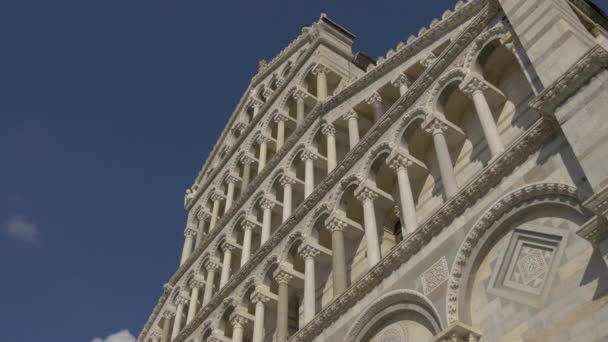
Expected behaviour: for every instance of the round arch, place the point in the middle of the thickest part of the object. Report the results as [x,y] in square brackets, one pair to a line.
[391,306]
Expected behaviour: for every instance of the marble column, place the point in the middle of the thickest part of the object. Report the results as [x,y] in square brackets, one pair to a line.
[238,327]
[226,263]
[330,134]
[215,213]
[375,101]
[167,317]
[280,120]
[203,217]
[260,301]
[402,82]
[190,234]
[372,242]
[287,184]
[211,267]
[179,312]
[299,96]
[246,161]
[263,141]
[231,180]
[321,72]
[400,164]
[195,285]
[338,257]
[247,235]
[353,128]
[309,253]
[474,88]
[283,279]
[266,205]
[448,178]
[309,157]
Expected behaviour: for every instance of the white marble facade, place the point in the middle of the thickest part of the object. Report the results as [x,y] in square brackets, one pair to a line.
[452,190]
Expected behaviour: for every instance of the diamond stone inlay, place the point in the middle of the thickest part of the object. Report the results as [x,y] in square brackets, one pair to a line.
[531,267]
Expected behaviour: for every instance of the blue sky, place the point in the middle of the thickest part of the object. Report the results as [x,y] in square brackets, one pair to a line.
[107,111]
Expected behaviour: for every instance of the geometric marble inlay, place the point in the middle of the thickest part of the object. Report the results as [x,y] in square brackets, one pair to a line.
[434,276]
[527,265]
[392,333]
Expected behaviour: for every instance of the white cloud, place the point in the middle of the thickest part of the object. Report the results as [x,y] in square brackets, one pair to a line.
[121,336]
[21,228]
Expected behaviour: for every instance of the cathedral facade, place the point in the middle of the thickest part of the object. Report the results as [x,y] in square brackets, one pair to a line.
[455,189]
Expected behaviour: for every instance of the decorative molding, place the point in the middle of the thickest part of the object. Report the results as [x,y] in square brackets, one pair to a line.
[434,276]
[583,70]
[498,210]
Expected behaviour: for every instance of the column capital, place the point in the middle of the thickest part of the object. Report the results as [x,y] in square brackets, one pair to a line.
[238,319]
[190,231]
[374,98]
[280,116]
[366,193]
[203,215]
[267,203]
[255,103]
[239,127]
[308,155]
[168,313]
[320,69]
[399,160]
[182,298]
[334,223]
[286,179]
[262,139]
[249,225]
[228,246]
[232,178]
[473,83]
[216,196]
[351,114]
[401,80]
[267,92]
[259,296]
[328,129]
[309,251]
[428,60]
[435,126]
[247,159]
[212,265]
[197,282]
[282,277]
[300,94]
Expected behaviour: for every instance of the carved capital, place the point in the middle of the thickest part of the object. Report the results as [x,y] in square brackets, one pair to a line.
[267,92]
[365,193]
[255,103]
[262,139]
[308,155]
[435,126]
[227,246]
[320,69]
[197,282]
[259,297]
[247,159]
[267,203]
[374,98]
[212,265]
[168,314]
[238,319]
[182,298]
[428,60]
[216,196]
[285,179]
[156,334]
[190,231]
[203,215]
[309,251]
[282,277]
[351,114]
[232,178]
[328,129]
[473,84]
[334,223]
[280,117]
[300,94]
[398,161]
[401,80]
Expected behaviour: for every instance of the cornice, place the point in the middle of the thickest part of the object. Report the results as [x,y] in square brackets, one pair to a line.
[416,90]
[576,76]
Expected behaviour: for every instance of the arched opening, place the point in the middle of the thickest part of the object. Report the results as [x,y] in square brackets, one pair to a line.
[350,210]
[387,210]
